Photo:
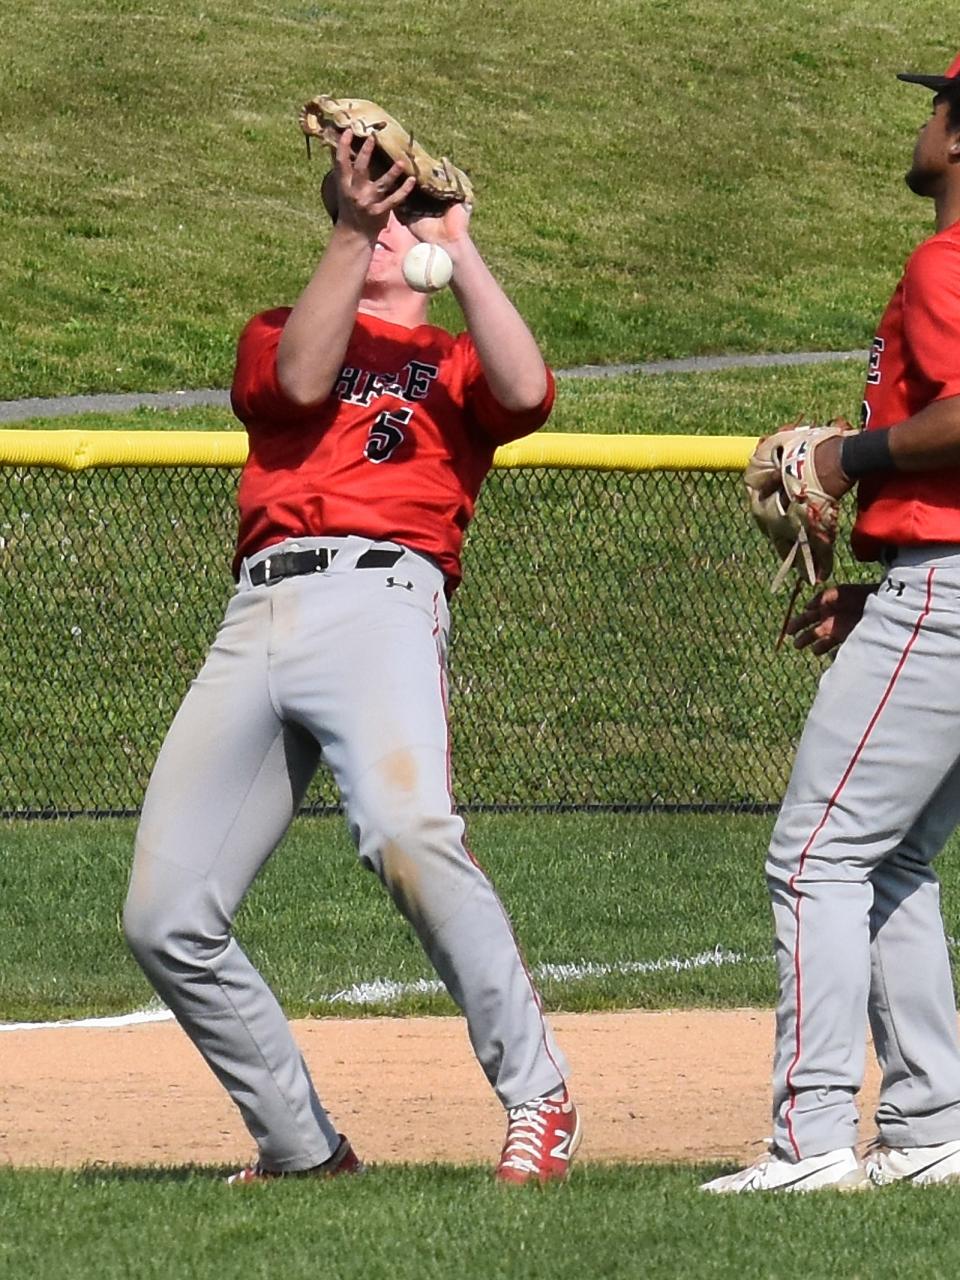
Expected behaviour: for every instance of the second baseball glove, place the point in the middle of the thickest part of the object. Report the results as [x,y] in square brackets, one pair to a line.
[788,501]
[439,183]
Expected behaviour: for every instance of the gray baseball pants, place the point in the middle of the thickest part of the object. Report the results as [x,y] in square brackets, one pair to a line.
[874,795]
[348,665]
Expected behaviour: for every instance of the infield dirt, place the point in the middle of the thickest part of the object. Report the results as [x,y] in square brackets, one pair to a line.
[651,1086]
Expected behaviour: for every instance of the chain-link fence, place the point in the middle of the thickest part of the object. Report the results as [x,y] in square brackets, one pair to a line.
[612,642]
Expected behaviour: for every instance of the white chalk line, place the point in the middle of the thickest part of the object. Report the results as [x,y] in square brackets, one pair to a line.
[386,991]
[381,991]
[153,1014]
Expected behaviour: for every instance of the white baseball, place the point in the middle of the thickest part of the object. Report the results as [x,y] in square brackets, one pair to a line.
[427,267]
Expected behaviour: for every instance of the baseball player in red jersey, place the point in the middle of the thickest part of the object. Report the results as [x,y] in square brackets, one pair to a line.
[875,788]
[370,434]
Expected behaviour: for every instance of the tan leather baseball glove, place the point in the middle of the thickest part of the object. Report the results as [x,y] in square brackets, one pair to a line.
[439,183]
[788,501]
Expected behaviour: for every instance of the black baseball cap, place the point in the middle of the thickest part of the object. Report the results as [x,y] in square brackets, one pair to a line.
[938,83]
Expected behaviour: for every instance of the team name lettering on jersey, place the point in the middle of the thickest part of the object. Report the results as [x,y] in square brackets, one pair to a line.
[362,386]
[874,376]
[873,367]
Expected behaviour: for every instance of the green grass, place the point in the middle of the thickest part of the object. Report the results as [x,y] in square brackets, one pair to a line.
[733,402]
[597,888]
[430,1223]
[653,178]
[600,888]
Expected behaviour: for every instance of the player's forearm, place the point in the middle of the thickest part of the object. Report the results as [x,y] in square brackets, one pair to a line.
[507,349]
[926,442]
[315,337]
[930,439]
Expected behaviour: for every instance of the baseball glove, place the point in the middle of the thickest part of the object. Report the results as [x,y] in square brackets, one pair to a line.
[788,501]
[439,183]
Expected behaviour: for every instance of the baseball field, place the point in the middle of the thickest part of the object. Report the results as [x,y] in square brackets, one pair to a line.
[655,180]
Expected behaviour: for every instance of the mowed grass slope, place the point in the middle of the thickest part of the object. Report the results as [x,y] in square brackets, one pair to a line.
[653,178]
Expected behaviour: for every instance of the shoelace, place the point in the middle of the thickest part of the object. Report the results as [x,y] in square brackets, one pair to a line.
[526,1128]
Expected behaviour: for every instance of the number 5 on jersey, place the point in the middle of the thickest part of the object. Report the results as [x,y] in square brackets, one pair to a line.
[386,434]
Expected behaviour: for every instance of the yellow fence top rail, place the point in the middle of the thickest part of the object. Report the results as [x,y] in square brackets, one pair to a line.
[81,450]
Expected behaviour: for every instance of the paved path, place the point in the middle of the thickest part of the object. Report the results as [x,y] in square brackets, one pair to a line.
[61,406]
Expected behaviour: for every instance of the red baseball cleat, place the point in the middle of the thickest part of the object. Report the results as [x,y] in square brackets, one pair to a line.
[343,1160]
[542,1138]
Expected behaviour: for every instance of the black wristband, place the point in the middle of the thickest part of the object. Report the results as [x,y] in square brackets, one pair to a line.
[866,451]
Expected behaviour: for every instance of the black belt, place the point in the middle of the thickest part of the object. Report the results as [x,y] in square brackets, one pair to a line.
[290,564]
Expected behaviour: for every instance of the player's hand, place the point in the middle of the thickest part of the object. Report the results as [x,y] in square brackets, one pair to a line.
[451,230]
[825,621]
[363,203]
[833,479]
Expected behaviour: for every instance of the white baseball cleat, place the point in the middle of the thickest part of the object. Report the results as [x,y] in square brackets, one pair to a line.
[923,1165]
[838,1169]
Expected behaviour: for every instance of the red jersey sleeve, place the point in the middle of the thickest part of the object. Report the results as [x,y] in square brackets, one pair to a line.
[496,423]
[256,394]
[931,314]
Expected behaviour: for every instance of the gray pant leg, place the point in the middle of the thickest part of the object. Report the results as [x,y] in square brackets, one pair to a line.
[423,861]
[883,732]
[381,717]
[226,784]
[912,1006]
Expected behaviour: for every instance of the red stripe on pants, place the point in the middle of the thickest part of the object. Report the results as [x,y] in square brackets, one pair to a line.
[791,884]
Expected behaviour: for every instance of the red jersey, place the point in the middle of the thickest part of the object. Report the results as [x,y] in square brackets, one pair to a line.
[397,451]
[915,360]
